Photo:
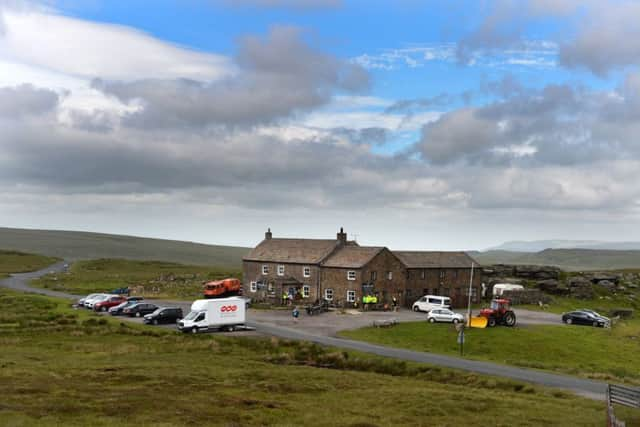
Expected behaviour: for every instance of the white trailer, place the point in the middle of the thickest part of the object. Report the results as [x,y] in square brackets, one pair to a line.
[214,314]
[499,288]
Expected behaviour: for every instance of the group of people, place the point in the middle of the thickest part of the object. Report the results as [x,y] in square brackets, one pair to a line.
[287,298]
[372,300]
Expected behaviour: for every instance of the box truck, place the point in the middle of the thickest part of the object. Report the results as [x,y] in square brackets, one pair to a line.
[214,314]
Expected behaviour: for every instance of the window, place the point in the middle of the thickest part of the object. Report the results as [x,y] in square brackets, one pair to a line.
[306,271]
[265,269]
[455,274]
[254,287]
[200,317]
[306,291]
[423,274]
[351,275]
[328,294]
[442,274]
[389,275]
[374,276]
[281,270]
[351,296]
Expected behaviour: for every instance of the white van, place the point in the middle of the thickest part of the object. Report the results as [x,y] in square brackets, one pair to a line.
[207,314]
[499,288]
[429,302]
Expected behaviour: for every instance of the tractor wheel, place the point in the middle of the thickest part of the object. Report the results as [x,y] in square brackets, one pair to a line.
[492,322]
[509,318]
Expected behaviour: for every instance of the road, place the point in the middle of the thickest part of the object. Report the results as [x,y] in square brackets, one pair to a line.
[320,330]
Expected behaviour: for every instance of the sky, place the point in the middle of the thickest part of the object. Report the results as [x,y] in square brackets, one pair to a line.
[436,125]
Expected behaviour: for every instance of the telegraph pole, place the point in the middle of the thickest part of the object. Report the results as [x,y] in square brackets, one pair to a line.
[469,301]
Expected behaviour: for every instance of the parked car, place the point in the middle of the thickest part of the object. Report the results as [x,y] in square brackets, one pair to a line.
[139,309]
[81,301]
[444,315]
[164,315]
[136,299]
[89,302]
[429,302]
[118,309]
[583,317]
[107,303]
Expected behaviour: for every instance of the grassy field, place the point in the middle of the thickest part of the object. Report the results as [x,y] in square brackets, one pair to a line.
[65,367]
[18,262]
[147,278]
[74,245]
[601,304]
[603,354]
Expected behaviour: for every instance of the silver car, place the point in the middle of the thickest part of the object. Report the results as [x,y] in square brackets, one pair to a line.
[444,315]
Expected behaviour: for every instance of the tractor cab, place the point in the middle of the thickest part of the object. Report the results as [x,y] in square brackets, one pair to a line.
[499,313]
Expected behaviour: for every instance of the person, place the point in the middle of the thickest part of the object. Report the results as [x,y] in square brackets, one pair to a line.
[394,302]
[295,313]
[365,302]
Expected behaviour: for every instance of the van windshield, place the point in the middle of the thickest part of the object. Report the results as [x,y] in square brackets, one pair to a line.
[192,315]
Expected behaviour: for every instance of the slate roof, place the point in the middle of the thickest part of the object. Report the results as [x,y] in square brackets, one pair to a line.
[433,259]
[352,256]
[302,251]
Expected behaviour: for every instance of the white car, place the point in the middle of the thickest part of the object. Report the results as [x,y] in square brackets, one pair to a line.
[89,302]
[430,302]
[444,315]
[81,301]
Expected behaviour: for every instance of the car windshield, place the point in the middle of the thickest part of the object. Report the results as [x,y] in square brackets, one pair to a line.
[192,315]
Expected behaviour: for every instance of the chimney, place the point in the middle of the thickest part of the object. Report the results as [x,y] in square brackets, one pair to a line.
[267,235]
[342,236]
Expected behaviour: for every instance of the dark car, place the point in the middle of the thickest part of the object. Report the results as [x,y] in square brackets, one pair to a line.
[589,318]
[139,309]
[164,315]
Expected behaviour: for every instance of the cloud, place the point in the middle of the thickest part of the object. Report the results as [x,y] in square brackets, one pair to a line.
[277,77]
[554,125]
[26,100]
[609,39]
[51,41]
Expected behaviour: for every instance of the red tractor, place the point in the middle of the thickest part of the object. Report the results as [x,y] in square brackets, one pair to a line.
[500,313]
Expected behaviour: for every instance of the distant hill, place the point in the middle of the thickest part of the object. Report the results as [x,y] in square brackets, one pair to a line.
[540,245]
[567,259]
[83,245]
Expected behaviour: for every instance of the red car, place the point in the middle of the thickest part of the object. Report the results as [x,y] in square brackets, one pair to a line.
[109,302]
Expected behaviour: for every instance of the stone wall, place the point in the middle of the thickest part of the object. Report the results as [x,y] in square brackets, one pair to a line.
[451,282]
[270,285]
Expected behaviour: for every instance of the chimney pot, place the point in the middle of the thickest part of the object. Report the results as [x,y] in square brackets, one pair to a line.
[342,236]
[268,234]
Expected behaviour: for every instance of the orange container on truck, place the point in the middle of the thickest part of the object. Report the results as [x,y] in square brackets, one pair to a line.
[222,288]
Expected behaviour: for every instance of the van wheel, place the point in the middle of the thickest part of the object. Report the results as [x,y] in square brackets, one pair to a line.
[415,308]
[230,328]
[194,330]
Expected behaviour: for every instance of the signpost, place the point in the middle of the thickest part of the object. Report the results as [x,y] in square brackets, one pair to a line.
[460,329]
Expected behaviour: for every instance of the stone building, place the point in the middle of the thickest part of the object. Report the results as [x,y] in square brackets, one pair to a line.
[343,271]
[441,273]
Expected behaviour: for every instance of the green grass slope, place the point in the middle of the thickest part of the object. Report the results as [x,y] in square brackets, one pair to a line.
[82,245]
[603,354]
[155,279]
[567,259]
[19,262]
[64,367]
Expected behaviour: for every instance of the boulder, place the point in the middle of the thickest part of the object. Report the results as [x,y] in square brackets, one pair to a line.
[609,277]
[549,285]
[607,284]
[582,292]
[579,282]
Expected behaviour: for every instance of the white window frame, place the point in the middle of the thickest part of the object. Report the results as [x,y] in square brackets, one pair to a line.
[389,275]
[351,275]
[253,287]
[328,294]
[306,271]
[265,269]
[280,270]
[351,296]
[306,291]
